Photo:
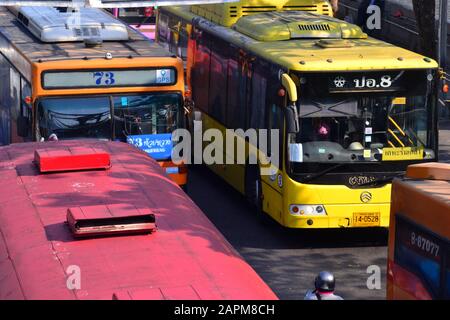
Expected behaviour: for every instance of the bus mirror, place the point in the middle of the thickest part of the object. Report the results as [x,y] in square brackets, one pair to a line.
[290,87]
[292,123]
[22,126]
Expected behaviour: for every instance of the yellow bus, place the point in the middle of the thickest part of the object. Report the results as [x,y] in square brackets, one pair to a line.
[68,75]
[352,111]
[419,235]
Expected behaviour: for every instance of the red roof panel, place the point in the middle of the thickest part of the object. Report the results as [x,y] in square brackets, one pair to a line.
[187,258]
[61,158]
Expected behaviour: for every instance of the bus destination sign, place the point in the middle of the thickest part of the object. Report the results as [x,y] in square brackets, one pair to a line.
[365,82]
[68,79]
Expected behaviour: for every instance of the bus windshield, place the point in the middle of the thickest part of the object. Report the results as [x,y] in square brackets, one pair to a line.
[363,118]
[108,117]
[352,128]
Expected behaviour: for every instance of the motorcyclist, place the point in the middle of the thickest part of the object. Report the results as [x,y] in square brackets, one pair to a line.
[324,288]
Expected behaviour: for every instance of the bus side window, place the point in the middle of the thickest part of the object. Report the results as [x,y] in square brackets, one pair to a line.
[424,262]
[218,81]
[14,101]
[4,107]
[275,118]
[183,42]
[9,102]
[163,29]
[25,105]
[201,72]
[174,34]
[235,111]
[258,97]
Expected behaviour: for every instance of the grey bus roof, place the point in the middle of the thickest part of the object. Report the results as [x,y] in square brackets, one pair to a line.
[15,37]
[53,25]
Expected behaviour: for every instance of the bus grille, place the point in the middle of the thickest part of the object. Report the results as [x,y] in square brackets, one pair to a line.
[314,27]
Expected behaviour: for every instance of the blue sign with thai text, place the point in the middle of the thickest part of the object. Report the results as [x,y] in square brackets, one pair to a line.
[158,146]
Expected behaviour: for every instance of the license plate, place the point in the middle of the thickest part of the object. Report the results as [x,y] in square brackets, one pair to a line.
[366,219]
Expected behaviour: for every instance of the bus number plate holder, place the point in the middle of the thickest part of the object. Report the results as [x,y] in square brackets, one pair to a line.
[366,219]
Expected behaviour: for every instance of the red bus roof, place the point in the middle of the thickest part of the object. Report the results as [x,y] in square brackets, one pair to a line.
[186,258]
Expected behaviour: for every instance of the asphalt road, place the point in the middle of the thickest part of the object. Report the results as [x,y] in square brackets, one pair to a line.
[287,259]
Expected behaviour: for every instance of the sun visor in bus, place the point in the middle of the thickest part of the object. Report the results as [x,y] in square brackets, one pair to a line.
[328,108]
[114,219]
[71,159]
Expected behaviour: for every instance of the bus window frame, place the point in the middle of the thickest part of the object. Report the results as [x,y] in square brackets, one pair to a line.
[158,28]
[41,76]
[26,108]
[18,108]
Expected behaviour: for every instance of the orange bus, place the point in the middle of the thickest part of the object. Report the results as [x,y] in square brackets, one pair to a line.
[69,75]
[419,237]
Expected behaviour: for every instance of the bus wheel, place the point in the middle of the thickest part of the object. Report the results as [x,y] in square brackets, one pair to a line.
[253,189]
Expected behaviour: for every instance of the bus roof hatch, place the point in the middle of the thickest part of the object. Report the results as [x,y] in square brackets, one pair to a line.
[67,25]
[112,219]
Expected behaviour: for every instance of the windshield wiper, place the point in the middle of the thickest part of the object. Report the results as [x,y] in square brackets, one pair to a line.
[380,181]
[311,177]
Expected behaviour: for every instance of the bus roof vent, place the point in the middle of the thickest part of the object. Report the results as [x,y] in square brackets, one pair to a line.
[112,219]
[227,14]
[71,159]
[277,26]
[54,25]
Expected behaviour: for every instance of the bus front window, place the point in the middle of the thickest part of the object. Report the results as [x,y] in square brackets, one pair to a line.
[361,129]
[146,114]
[71,118]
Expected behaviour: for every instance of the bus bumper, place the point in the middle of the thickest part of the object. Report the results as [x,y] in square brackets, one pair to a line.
[343,216]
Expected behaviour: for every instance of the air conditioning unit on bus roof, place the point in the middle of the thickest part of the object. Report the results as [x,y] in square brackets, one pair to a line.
[62,25]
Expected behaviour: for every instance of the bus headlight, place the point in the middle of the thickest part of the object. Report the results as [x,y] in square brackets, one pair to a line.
[307,210]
